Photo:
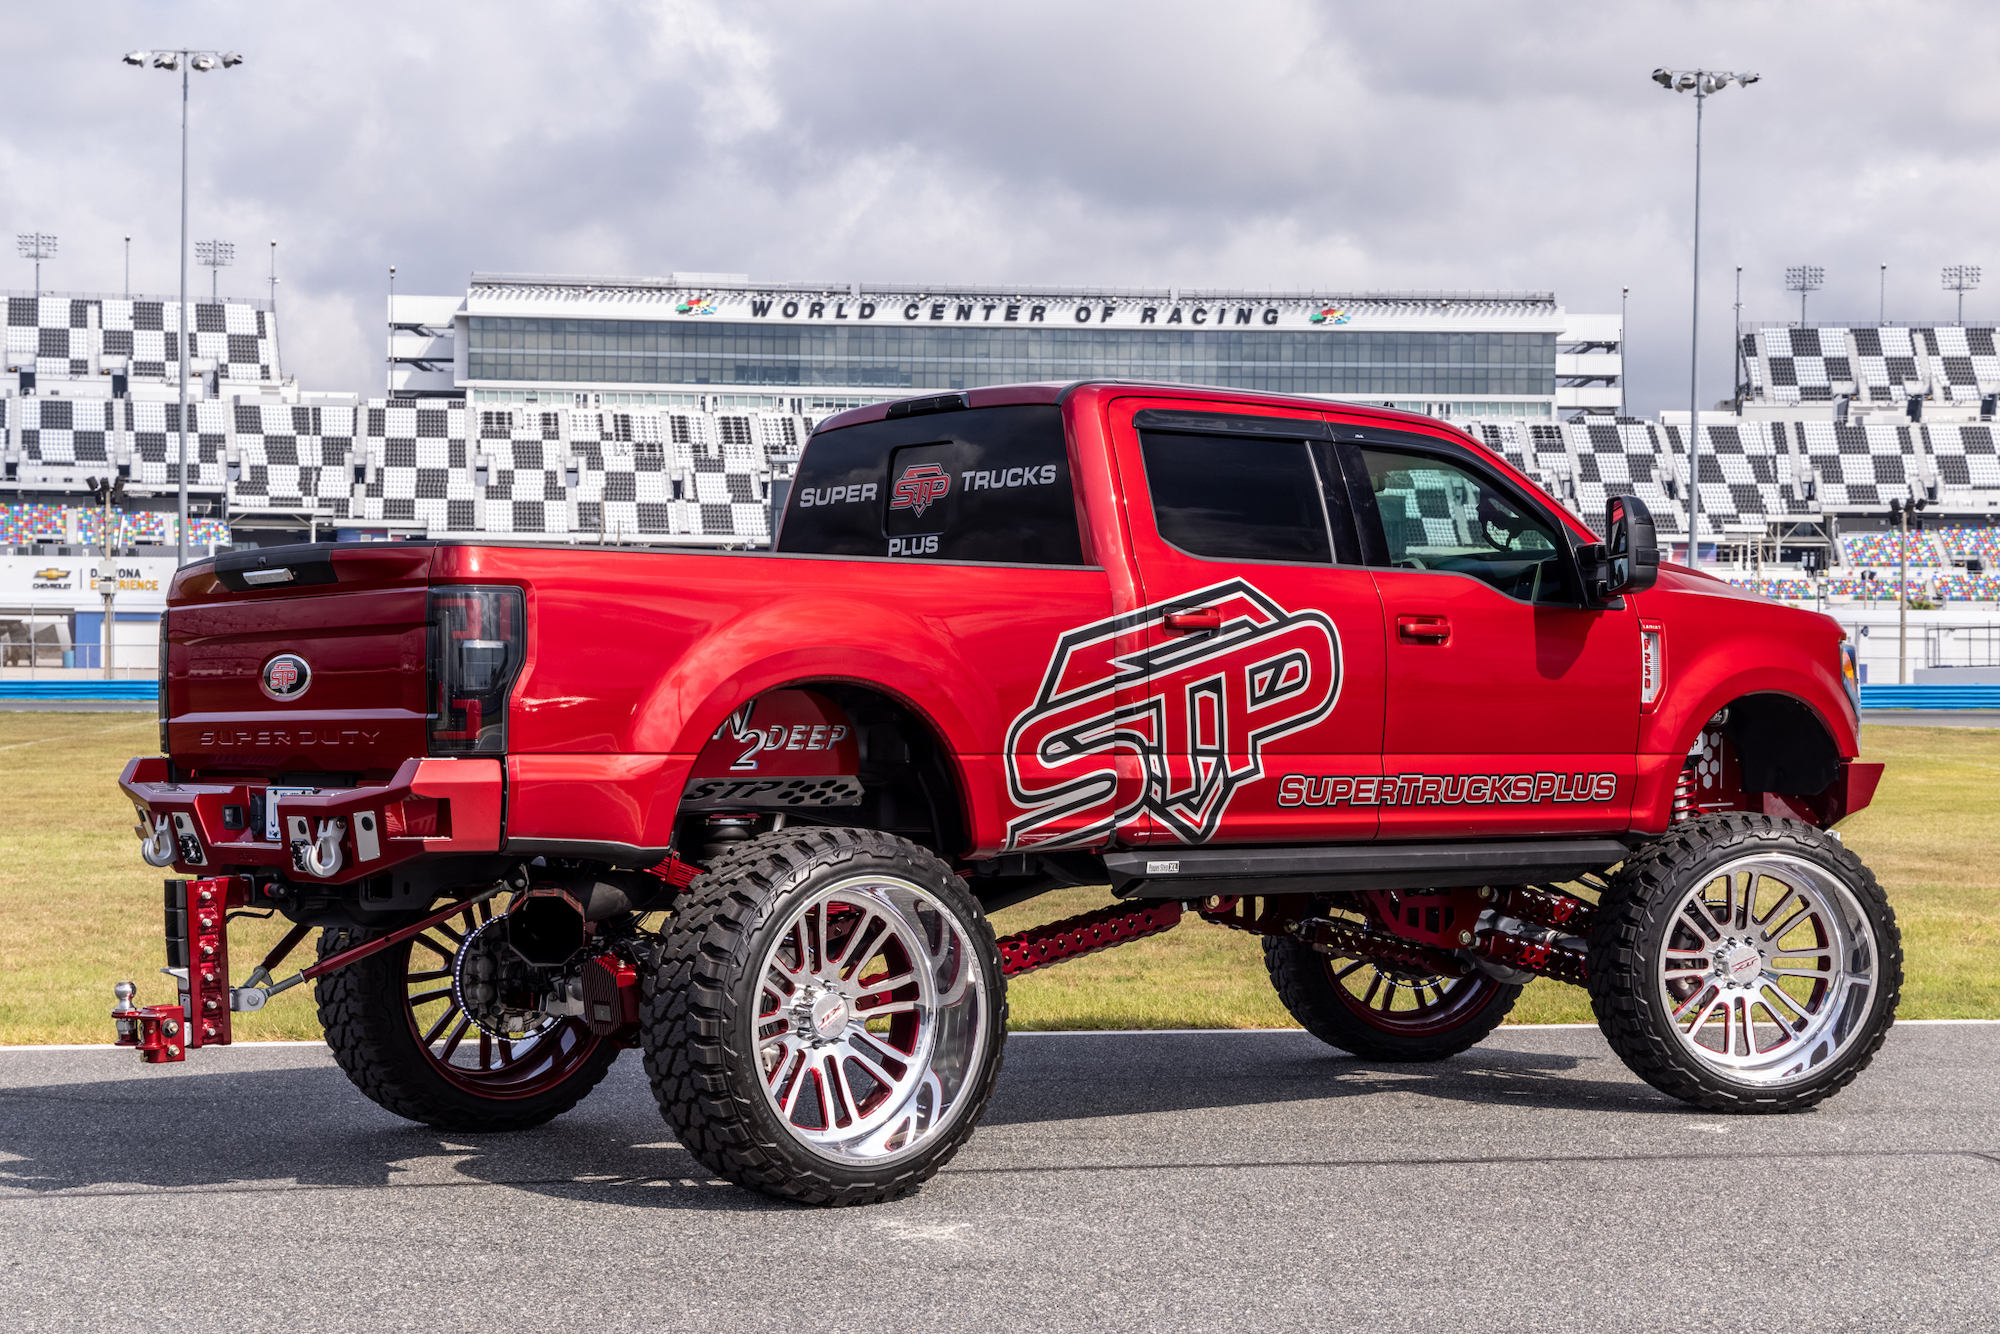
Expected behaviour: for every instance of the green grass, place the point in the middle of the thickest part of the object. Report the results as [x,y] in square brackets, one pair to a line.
[81,911]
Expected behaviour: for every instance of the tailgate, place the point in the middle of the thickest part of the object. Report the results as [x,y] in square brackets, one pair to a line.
[305,659]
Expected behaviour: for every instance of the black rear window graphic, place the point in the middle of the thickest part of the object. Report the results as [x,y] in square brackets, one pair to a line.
[987,484]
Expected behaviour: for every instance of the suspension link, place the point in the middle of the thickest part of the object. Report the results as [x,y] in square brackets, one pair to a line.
[1547,907]
[1534,956]
[1087,933]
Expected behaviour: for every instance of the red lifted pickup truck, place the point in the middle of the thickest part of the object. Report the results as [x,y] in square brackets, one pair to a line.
[1337,677]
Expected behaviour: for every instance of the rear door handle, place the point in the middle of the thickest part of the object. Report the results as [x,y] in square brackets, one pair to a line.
[1194,622]
[1423,629]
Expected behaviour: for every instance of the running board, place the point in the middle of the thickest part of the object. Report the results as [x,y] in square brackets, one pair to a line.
[1181,873]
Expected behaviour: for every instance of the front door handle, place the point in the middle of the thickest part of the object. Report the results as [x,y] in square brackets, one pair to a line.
[1197,621]
[1423,629]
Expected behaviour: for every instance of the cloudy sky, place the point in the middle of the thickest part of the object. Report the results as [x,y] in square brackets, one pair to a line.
[1330,146]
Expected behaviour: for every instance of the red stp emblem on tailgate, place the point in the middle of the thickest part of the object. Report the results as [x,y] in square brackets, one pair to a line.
[286,676]
[920,486]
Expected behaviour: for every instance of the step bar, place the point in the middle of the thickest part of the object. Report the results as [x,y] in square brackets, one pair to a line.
[1179,873]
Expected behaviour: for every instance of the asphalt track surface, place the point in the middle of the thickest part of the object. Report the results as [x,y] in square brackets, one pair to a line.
[1253,1181]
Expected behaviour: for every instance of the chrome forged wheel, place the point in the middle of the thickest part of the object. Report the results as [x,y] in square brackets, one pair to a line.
[1768,969]
[868,1019]
[1746,963]
[827,1018]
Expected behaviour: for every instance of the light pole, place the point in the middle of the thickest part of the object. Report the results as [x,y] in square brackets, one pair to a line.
[37,246]
[1961,278]
[1900,512]
[128,268]
[1742,375]
[1882,297]
[215,256]
[180,62]
[1803,278]
[1624,366]
[107,493]
[1703,84]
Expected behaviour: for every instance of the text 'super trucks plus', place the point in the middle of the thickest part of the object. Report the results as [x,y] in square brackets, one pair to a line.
[1336,677]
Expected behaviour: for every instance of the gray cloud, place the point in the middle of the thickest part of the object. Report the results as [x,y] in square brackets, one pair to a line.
[1428,145]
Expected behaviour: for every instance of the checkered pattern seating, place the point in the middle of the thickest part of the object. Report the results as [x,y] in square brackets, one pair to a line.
[156,442]
[1961,359]
[525,457]
[60,436]
[1623,459]
[416,458]
[293,458]
[64,337]
[1858,465]
[1965,455]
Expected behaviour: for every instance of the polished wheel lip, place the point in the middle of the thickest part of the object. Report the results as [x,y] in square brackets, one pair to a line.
[508,1070]
[824,1018]
[1720,989]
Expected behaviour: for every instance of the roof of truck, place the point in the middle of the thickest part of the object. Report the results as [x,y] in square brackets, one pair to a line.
[1056,391]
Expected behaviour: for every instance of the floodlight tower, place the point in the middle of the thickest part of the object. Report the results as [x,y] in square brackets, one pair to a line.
[1961,278]
[1803,278]
[1703,84]
[180,62]
[215,256]
[37,246]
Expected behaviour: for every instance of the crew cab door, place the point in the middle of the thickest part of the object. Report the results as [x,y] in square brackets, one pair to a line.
[1511,706]
[971,516]
[1262,631]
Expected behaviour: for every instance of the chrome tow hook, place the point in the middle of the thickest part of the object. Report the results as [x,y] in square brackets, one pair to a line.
[321,856]
[159,850]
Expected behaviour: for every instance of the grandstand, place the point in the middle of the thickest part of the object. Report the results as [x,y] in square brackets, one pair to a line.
[1825,440]
[27,526]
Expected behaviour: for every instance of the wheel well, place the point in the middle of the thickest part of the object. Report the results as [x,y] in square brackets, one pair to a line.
[1783,745]
[909,785]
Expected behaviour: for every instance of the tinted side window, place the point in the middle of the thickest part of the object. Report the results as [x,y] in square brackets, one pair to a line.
[986,484]
[1438,516]
[1235,497]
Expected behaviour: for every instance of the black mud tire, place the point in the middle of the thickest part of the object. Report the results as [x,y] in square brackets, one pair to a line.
[698,1017]
[1306,985]
[1631,929]
[368,1030]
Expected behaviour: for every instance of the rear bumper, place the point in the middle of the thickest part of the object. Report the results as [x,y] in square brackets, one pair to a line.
[333,835]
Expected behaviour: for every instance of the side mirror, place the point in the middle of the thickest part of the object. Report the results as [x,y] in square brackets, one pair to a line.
[1632,546]
[1628,559]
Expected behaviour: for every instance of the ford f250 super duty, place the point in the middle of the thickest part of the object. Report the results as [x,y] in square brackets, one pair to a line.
[1340,678]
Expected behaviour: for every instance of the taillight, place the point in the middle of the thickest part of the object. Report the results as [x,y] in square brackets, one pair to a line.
[1652,664]
[164,616]
[478,640]
[1850,673]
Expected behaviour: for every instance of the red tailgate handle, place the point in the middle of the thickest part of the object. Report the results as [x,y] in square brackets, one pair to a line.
[1194,622]
[1423,629]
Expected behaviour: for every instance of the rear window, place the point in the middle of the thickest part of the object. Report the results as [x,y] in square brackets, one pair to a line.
[1246,497]
[982,484]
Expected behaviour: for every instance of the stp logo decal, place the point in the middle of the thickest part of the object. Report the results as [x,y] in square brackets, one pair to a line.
[921,486]
[1196,710]
[286,676]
